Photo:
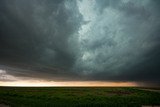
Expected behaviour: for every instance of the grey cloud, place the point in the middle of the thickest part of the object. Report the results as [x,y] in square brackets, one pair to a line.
[120,45]
[81,40]
[38,31]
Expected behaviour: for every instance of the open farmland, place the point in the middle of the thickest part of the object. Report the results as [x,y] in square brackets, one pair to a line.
[77,96]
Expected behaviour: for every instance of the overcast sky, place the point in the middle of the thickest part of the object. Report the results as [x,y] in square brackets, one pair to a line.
[79,40]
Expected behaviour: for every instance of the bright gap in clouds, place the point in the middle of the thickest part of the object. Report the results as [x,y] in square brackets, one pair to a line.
[6,77]
[39,83]
[9,80]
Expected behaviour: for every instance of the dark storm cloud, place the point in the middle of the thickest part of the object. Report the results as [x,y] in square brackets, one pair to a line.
[122,43]
[82,40]
[38,32]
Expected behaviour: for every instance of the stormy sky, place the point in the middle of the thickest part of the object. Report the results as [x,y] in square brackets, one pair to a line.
[81,40]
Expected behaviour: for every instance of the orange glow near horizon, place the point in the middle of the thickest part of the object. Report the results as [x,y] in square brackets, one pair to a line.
[10,80]
[36,83]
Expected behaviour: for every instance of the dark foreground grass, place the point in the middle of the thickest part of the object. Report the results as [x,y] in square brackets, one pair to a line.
[77,97]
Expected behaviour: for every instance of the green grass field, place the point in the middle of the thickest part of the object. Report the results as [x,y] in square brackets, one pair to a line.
[77,97]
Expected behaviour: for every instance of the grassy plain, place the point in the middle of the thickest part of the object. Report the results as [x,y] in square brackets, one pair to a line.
[78,97]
